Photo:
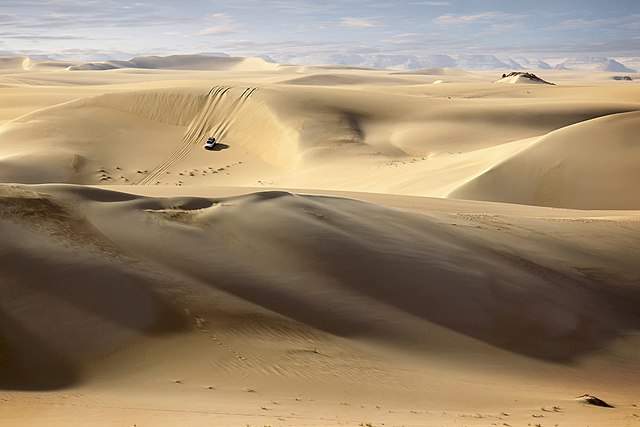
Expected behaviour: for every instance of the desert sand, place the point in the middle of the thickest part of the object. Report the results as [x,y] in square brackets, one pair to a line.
[363,247]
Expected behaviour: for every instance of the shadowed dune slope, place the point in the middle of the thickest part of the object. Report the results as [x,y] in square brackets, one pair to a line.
[63,284]
[368,273]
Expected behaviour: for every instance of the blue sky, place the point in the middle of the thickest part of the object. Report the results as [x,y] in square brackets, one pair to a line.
[281,28]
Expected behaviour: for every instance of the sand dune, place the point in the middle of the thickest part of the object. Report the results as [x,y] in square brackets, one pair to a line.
[301,272]
[301,137]
[47,253]
[239,288]
[559,169]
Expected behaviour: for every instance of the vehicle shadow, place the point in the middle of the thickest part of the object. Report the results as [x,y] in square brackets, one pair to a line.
[218,147]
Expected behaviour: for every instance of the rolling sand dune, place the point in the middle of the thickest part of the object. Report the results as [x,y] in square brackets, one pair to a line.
[559,169]
[305,137]
[362,247]
[235,300]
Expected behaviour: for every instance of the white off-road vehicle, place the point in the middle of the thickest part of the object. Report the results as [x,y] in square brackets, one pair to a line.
[211,142]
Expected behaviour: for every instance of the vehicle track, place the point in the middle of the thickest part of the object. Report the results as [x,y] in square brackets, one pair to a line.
[217,92]
[232,111]
[214,97]
[197,128]
[223,131]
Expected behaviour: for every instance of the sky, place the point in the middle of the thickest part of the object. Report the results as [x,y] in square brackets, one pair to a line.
[118,29]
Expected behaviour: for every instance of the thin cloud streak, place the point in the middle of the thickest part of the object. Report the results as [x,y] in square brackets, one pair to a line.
[359,22]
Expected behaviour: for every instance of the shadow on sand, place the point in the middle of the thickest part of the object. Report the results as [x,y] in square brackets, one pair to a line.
[218,147]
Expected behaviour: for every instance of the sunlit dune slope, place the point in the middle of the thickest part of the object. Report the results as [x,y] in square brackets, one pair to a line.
[590,165]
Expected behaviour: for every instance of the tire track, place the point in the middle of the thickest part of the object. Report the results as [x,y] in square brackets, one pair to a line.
[234,117]
[232,111]
[194,134]
[197,128]
[202,116]
[175,152]
[215,96]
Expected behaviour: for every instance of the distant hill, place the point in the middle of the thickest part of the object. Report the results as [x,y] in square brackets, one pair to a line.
[179,62]
[403,62]
[616,67]
[594,64]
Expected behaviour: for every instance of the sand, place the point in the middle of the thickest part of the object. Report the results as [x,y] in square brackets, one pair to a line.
[363,247]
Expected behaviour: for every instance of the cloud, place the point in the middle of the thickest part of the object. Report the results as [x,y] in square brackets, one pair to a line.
[89,14]
[217,29]
[41,37]
[431,3]
[292,7]
[484,17]
[223,24]
[359,22]
[403,38]
[628,22]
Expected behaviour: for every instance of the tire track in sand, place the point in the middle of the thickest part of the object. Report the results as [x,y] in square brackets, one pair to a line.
[214,97]
[197,128]
[223,131]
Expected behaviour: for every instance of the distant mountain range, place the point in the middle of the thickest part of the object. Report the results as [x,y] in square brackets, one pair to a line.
[383,61]
[468,62]
[595,64]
